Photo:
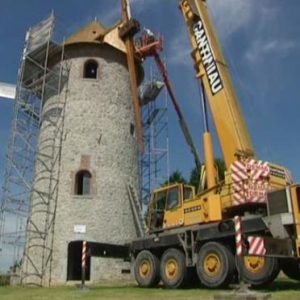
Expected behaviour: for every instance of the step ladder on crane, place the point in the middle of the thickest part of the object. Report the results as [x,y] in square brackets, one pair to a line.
[137,210]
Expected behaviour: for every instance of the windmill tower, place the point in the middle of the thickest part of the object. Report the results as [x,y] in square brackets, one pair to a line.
[87,157]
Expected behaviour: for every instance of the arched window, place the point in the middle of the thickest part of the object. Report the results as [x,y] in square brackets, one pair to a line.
[83,183]
[90,69]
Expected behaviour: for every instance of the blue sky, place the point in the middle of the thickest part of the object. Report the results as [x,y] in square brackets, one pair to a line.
[261,43]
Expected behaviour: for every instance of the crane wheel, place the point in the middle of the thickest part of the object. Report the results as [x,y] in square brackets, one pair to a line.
[258,271]
[146,269]
[173,270]
[215,265]
[291,268]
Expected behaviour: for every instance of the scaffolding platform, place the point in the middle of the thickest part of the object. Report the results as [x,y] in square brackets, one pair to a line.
[37,80]
[154,162]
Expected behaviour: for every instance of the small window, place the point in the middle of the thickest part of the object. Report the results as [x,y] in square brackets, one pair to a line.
[90,69]
[132,129]
[83,183]
[172,198]
[187,193]
[161,200]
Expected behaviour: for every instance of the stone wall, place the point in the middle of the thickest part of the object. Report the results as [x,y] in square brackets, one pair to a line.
[96,136]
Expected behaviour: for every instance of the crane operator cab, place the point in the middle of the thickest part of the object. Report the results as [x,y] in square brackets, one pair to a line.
[166,209]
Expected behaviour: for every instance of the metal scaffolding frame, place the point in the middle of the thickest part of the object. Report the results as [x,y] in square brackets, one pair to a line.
[37,81]
[154,162]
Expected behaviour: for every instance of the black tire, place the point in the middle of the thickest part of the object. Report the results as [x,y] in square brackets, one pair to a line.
[215,265]
[146,269]
[173,270]
[291,268]
[258,274]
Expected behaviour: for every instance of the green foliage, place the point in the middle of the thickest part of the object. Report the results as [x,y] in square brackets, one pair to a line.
[220,164]
[195,178]
[15,266]
[195,174]
[176,177]
[4,279]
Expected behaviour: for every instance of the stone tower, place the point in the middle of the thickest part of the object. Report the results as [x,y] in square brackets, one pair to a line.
[87,156]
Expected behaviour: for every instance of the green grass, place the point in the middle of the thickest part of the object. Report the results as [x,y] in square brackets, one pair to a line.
[280,290]
[4,280]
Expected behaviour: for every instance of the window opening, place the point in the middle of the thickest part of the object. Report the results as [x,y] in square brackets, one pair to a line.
[132,129]
[172,198]
[83,183]
[90,69]
[158,210]
[187,193]
[161,200]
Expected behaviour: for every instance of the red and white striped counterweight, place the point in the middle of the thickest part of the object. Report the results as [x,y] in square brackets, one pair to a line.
[256,246]
[249,181]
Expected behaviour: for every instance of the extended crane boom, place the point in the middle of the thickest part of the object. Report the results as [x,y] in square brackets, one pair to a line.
[213,72]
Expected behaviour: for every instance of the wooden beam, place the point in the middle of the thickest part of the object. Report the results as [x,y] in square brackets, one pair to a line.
[128,40]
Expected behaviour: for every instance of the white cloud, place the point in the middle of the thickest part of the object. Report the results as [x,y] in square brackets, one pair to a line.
[262,47]
[110,15]
[231,15]
[179,49]
[113,13]
[227,17]
[141,5]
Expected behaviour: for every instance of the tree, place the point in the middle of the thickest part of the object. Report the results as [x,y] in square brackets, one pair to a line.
[195,178]
[176,177]
[221,167]
[195,173]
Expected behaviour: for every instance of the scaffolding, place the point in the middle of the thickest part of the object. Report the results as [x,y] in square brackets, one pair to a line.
[154,162]
[42,74]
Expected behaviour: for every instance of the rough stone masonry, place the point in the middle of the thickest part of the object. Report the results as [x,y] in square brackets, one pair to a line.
[87,127]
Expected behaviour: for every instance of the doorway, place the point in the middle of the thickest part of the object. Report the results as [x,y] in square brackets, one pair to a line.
[74,262]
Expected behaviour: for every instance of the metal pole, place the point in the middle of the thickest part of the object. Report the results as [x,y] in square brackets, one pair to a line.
[83,264]
[239,252]
[204,108]
[211,174]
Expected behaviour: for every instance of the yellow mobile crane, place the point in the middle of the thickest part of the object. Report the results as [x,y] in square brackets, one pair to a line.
[191,232]
[258,191]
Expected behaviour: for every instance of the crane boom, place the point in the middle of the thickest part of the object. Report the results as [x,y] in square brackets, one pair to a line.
[213,72]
